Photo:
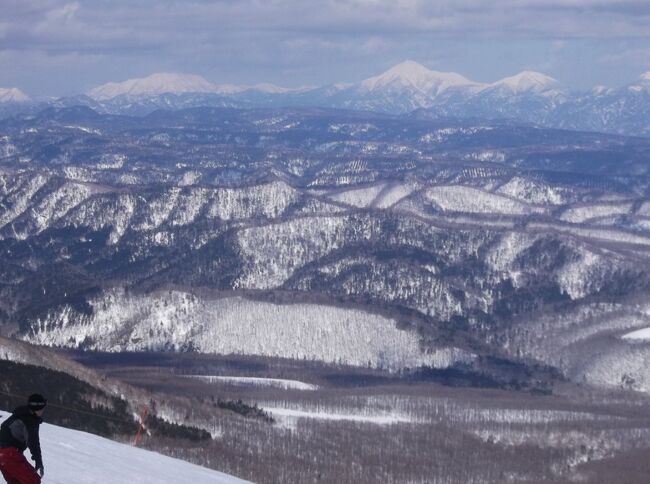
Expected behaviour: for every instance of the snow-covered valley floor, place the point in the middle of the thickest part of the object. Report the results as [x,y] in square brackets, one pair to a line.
[289,416]
[73,457]
[256,382]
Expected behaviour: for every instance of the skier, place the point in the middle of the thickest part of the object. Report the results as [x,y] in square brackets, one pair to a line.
[17,433]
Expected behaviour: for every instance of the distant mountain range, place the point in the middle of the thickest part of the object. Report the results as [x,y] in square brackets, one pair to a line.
[13,95]
[338,236]
[409,87]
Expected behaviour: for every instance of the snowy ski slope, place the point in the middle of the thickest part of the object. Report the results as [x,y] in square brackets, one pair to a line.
[73,457]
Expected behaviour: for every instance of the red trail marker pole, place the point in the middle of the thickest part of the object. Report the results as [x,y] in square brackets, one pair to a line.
[143,416]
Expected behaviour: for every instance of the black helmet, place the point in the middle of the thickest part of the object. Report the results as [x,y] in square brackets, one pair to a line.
[36,402]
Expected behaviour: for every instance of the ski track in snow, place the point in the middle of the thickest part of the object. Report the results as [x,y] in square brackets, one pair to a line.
[74,457]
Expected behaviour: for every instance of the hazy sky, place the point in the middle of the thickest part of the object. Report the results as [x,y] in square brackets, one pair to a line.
[59,47]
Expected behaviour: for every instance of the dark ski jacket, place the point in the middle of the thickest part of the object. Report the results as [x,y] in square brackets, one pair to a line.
[20,430]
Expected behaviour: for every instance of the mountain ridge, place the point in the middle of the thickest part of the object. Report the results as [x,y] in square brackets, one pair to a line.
[13,95]
[528,97]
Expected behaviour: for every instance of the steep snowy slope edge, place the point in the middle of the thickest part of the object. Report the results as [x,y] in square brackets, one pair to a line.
[77,457]
[25,353]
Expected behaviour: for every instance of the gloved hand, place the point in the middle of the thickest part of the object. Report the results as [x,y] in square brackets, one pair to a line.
[40,470]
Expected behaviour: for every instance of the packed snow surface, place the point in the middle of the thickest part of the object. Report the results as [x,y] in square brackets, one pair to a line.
[73,457]
[257,382]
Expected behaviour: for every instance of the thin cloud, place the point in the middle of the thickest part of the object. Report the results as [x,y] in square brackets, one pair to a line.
[241,40]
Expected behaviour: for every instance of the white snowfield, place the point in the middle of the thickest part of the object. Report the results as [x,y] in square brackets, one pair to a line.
[639,334]
[288,416]
[457,198]
[158,83]
[360,197]
[73,457]
[257,382]
[580,214]
[12,95]
[383,195]
[176,320]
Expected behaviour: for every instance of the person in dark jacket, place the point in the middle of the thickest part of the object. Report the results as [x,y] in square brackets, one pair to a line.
[17,433]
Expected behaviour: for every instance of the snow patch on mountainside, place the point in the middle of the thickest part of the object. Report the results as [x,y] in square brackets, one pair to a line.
[176,206]
[525,82]
[248,381]
[361,197]
[52,207]
[532,191]
[392,194]
[288,417]
[595,233]
[642,83]
[159,83]
[456,198]
[442,135]
[268,200]
[273,89]
[618,367]
[502,255]
[181,321]
[639,334]
[116,213]
[644,209]
[17,193]
[271,253]
[580,277]
[581,214]
[585,343]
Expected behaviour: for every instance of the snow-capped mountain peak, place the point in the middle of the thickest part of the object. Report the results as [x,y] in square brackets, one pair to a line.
[12,95]
[526,81]
[642,83]
[159,83]
[267,88]
[600,90]
[410,74]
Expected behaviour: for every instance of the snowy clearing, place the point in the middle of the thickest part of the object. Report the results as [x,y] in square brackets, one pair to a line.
[465,199]
[639,334]
[587,212]
[289,416]
[257,382]
[178,321]
[361,197]
[73,457]
[393,194]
